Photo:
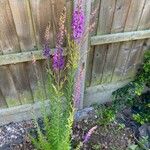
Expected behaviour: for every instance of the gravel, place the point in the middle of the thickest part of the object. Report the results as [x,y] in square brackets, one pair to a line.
[14,134]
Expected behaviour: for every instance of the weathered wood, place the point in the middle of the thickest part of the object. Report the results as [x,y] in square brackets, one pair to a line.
[23,57]
[104,27]
[120,15]
[84,47]
[20,57]
[9,43]
[120,37]
[42,16]
[3,103]
[8,88]
[23,24]
[22,28]
[25,34]
[37,54]
[134,16]
[33,71]
[137,51]
[94,19]
[46,13]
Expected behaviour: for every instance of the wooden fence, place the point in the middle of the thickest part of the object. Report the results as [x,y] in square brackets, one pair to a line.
[22,28]
[117,44]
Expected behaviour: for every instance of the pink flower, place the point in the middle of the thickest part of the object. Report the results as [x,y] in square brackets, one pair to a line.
[88,135]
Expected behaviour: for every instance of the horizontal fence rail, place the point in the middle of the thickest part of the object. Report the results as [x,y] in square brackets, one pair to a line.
[23,57]
[20,57]
[95,40]
[120,37]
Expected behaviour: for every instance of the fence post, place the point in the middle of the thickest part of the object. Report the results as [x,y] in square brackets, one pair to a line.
[86,4]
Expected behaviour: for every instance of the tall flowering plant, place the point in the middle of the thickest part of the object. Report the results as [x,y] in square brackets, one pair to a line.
[63,90]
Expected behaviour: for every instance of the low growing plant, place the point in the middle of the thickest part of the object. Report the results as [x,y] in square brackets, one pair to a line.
[140,144]
[106,114]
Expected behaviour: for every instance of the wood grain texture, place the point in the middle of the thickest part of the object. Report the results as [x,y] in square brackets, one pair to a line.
[9,42]
[84,48]
[137,50]
[120,37]
[8,88]
[3,103]
[133,18]
[94,19]
[23,24]
[22,28]
[46,13]
[26,41]
[104,27]
[25,29]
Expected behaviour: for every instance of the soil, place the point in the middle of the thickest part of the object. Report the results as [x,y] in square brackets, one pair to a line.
[110,137]
[14,136]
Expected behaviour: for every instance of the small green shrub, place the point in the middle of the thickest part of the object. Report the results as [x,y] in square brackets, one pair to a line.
[58,124]
[106,114]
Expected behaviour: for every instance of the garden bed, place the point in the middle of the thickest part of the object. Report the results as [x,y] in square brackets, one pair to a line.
[14,136]
[110,134]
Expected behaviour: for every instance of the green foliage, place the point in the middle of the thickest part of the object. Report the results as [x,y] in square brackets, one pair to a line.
[138,118]
[140,144]
[57,127]
[106,114]
[57,131]
[129,95]
[96,147]
[141,109]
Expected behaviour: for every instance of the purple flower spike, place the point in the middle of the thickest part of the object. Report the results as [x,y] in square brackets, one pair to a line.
[46,51]
[88,135]
[78,23]
[58,60]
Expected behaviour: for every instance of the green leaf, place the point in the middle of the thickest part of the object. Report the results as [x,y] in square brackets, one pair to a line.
[133,147]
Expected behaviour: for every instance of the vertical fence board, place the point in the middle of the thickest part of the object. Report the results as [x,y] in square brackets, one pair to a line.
[3,103]
[19,73]
[104,27]
[120,15]
[9,43]
[132,21]
[84,48]
[25,30]
[42,16]
[90,57]
[46,13]
[8,87]
[137,50]
[23,24]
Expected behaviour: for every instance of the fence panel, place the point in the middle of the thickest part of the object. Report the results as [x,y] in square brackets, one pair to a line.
[118,61]
[22,28]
